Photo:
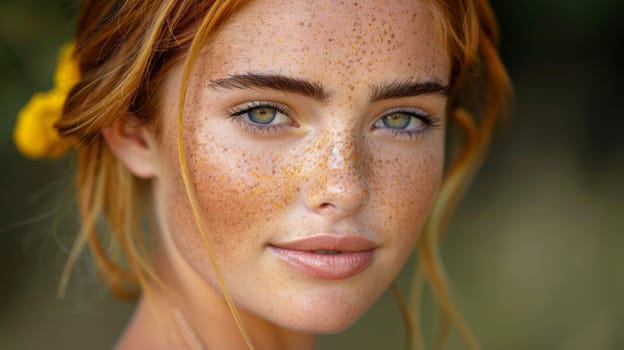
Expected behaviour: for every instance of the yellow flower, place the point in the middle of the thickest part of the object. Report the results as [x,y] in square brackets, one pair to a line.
[34,134]
[67,73]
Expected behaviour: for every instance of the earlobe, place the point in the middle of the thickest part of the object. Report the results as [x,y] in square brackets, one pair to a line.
[133,143]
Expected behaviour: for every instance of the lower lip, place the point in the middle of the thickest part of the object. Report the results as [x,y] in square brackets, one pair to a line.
[326,266]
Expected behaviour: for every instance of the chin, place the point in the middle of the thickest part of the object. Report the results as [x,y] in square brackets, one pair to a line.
[326,313]
[328,324]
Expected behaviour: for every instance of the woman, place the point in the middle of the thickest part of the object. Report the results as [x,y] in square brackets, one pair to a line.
[286,156]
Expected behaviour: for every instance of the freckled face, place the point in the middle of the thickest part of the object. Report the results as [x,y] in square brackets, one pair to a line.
[357,154]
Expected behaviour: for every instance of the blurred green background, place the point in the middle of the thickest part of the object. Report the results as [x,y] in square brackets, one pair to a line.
[535,252]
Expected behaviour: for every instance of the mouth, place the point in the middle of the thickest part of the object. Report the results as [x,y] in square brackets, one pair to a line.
[327,257]
[327,252]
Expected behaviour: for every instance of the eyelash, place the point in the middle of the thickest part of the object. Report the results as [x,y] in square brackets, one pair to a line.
[238,115]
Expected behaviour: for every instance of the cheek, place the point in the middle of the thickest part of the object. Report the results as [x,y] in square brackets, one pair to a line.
[239,191]
[403,188]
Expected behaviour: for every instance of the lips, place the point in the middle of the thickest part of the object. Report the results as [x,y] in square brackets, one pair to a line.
[327,257]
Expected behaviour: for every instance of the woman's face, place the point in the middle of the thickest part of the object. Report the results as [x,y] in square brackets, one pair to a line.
[314,135]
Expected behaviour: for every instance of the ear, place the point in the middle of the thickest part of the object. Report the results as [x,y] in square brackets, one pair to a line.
[134,144]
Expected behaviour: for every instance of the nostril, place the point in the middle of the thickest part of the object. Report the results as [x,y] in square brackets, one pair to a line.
[324,206]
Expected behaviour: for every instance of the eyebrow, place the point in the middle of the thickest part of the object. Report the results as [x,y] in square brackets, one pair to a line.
[273,82]
[407,88]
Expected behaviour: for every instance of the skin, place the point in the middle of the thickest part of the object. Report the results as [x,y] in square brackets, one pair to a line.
[331,166]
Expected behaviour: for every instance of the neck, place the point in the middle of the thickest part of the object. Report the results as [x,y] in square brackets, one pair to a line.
[195,316]
[212,325]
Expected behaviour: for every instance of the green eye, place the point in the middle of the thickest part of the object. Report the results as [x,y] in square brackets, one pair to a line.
[397,120]
[405,122]
[262,115]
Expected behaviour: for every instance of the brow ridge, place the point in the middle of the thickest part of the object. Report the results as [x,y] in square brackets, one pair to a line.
[407,88]
[273,82]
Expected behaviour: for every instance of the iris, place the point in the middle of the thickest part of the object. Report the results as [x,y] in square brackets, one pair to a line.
[262,115]
[397,120]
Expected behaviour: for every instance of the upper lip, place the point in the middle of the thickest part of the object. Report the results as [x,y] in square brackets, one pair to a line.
[329,242]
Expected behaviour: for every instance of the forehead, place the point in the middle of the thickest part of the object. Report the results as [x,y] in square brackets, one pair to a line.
[330,39]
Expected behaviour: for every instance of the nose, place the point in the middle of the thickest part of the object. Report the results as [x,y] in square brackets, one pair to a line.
[337,185]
